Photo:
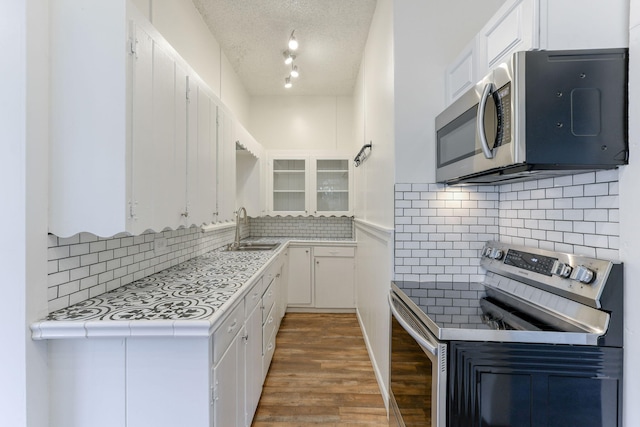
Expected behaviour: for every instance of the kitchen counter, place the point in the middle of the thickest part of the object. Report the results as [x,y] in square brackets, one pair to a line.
[188,299]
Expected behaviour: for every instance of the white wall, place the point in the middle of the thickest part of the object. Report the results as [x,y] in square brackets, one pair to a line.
[374,100]
[180,23]
[302,122]
[630,232]
[373,121]
[428,35]
[23,191]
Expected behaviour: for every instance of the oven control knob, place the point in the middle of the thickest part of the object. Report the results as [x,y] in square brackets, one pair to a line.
[496,254]
[561,269]
[583,274]
[486,252]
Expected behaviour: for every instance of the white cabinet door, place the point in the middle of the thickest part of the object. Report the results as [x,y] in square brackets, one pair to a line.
[226,167]
[228,386]
[334,277]
[180,162]
[513,28]
[253,352]
[289,183]
[551,25]
[299,286]
[331,185]
[462,74]
[90,134]
[201,155]
[159,132]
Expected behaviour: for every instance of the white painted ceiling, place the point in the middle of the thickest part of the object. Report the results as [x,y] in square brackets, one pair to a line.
[254,34]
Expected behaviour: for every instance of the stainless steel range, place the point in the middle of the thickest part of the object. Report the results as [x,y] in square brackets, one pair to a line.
[537,343]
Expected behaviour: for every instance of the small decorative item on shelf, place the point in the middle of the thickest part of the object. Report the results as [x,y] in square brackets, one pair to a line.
[362,154]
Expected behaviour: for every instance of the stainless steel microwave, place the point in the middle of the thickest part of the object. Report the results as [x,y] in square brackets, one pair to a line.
[539,114]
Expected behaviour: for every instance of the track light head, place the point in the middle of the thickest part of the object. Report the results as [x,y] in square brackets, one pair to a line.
[293,43]
[288,57]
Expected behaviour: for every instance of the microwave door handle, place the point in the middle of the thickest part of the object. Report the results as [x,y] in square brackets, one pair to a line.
[488,153]
[432,347]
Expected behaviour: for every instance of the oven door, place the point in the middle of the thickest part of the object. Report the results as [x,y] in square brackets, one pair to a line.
[418,371]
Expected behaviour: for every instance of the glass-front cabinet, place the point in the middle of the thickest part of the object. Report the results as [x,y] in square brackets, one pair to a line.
[289,179]
[331,186]
[310,185]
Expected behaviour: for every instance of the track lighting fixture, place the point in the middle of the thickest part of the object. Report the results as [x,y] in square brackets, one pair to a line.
[289,57]
[293,43]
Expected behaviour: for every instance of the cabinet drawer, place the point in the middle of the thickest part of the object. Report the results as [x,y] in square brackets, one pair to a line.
[334,251]
[268,329]
[273,270]
[268,299]
[254,296]
[270,348]
[225,333]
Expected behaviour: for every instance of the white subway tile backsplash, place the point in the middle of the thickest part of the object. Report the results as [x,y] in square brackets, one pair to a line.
[86,265]
[575,214]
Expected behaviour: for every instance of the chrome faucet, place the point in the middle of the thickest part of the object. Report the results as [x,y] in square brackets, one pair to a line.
[244,219]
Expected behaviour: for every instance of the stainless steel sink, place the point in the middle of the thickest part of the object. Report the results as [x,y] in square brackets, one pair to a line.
[250,246]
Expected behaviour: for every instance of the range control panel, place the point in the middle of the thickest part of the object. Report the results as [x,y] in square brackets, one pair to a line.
[577,277]
[536,263]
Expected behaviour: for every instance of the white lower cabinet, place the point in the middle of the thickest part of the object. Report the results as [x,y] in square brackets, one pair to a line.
[334,276]
[321,277]
[299,286]
[228,378]
[253,351]
[167,381]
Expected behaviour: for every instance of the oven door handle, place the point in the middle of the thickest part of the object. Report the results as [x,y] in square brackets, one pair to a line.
[424,342]
[482,132]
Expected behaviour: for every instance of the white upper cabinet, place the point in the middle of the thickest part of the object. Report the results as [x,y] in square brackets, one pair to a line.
[289,179]
[159,137]
[462,73]
[136,139]
[521,25]
[227,165]
[331,185]
[90,144]
[552,25]
[315,184]
[203,152]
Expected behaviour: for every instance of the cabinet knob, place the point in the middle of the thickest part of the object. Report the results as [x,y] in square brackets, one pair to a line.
[318,262]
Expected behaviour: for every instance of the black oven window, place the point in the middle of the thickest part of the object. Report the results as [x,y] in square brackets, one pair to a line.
[410,378]
[457,140]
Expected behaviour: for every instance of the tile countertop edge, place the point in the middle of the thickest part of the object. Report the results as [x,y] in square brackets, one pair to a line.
[68,329]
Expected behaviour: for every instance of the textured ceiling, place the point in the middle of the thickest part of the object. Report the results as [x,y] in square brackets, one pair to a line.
[254,34]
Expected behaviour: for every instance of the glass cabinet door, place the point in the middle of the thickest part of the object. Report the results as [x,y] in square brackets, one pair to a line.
[289,185]
[332,185]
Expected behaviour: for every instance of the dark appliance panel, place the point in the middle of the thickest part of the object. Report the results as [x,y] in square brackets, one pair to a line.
[534,385]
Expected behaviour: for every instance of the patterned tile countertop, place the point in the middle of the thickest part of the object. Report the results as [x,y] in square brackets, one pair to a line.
[187,299]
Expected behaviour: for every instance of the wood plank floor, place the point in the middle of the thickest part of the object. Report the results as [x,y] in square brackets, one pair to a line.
[320,375]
